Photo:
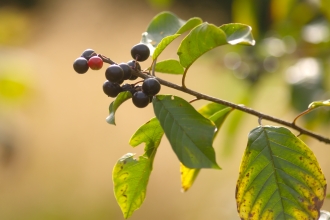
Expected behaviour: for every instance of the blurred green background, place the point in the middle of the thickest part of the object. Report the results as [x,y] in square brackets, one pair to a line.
[56,150]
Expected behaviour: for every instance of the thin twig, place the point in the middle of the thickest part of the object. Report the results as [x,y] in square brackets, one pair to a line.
[238,107]
[242,108]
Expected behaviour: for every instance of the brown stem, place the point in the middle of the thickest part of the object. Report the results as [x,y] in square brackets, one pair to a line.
[229,104]
[301,114]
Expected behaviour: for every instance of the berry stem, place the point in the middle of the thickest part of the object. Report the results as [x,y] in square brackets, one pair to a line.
[153,67]
[106,59]
[184,77]
[242,108]
[301,114]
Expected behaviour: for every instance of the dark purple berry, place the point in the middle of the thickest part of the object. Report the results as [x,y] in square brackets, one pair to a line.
[114,73]
[151,86]
[127,70]
[140,99]
[80,65]
[88,54]
[134,65]
[140,52]
[111,89]
[128,87]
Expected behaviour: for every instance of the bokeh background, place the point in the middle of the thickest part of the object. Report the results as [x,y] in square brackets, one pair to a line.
[56,149]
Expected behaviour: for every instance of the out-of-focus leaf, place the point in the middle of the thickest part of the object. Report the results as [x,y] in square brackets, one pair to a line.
[188,177]
[189,133]
[238,34]
[122,97]
[317,104]
[279,178]
[163,44]
[169,66]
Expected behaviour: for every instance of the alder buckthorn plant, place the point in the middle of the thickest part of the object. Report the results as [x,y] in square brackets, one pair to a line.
[279,176]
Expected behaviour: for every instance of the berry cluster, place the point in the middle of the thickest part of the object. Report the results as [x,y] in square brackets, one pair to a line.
[117,73]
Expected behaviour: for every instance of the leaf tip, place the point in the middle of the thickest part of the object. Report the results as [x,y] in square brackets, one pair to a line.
[110,120]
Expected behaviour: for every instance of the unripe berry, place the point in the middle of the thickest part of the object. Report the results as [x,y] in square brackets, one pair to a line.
[151,86]
[114,73]
[95,63]
[140,52]
[80,65]
[140,99]
[87,54]
[111,89]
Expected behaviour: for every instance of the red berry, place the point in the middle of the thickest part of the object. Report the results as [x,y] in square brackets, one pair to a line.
[95,63]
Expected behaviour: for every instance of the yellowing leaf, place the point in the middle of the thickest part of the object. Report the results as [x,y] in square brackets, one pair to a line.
[279,177]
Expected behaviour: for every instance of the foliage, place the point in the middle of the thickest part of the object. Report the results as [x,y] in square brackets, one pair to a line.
[279,175]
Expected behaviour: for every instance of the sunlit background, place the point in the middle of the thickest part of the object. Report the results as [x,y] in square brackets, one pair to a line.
[56,149]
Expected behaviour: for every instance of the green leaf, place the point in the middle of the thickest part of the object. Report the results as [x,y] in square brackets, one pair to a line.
[189,133]
[190,24]
[162,25]
[151,134]
[122,97]
[238,34]
[130,180]
[163,44]
[188,177]
[201,39]
[216,113]
[317,104]
[169,66]
[131,176]
[280,177]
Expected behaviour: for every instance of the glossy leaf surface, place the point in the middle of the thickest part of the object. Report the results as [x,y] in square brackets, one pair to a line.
[201,39]
[238,34]
[120,99]
[169,66]
[162,25]
[279,177]
[206,37]
[318,104]
[189,133]
[131,176]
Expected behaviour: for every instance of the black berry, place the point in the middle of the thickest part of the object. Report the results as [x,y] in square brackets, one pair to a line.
[134,65]
[95,63]
[114,73]
[140,52]
[140,99]
[80,65]
[111,89]
[128,87]
[127,70]
[151,86]
[88,54]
